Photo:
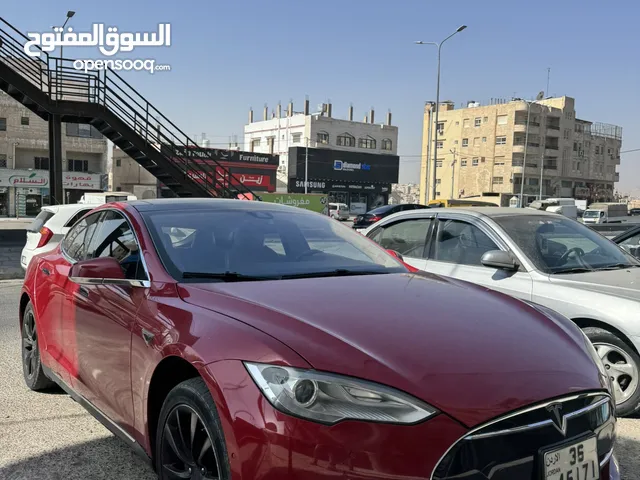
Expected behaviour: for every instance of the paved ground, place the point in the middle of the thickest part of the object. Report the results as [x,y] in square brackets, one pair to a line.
[10,261]
[47,436]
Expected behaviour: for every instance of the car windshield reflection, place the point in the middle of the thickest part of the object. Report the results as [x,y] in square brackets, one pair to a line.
[561,245]
[232,245]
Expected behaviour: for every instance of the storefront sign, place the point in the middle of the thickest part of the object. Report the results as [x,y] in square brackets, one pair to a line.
[40,179]
[316,203]
[344,166]
[297,185]
[220,155]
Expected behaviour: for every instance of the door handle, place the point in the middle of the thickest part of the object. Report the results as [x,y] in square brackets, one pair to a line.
[84,292]
[45,271]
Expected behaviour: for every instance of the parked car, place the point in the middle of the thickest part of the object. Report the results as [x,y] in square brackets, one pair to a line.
[49,227]
[535,256]
[339,211]
[375,215]
[634,212]
[629,241]
[222,353]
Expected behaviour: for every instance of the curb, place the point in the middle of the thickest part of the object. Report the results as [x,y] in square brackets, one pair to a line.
[11,275]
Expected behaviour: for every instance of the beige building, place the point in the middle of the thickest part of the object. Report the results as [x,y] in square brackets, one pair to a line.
[128,176]
[481,151]
[24,160]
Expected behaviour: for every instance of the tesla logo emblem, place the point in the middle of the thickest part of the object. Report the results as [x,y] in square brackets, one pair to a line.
[559,421]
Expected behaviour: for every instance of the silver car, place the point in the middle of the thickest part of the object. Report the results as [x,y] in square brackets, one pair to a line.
[539,257]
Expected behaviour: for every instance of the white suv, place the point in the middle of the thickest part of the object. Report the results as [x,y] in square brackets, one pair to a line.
[49,227]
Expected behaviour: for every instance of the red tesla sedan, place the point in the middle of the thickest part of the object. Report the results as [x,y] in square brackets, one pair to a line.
[250,341]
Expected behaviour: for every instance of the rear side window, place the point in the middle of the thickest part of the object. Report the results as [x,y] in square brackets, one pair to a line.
[39,222]
[73,220]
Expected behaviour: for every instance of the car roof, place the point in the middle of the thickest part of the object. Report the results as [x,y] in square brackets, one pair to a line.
[492,211]
[169,204]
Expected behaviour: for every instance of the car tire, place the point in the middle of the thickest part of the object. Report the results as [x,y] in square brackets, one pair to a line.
[34,375]
[615,351]
[205,440]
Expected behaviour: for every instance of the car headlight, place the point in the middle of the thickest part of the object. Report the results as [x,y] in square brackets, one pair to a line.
[327,398]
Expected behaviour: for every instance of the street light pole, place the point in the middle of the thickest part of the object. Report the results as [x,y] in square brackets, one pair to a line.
[435,134]
[306,166]
[526,144]
[453,171]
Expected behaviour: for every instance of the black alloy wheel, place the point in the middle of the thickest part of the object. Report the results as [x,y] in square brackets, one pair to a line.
[189,441]
[31,365]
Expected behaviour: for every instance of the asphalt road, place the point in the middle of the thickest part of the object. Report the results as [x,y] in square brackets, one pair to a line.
[47,436]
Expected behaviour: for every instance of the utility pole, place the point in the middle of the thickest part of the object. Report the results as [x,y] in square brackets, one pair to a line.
[428,161]
[453,171]
[306,165]
[543,139]
[526,142]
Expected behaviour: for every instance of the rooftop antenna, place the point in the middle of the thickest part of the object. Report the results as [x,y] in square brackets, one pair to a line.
[548,75]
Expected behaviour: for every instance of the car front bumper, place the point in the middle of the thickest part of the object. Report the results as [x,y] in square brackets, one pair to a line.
[264,443]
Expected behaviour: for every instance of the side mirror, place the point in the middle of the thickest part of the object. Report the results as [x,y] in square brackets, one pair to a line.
[98,271]
[500,259]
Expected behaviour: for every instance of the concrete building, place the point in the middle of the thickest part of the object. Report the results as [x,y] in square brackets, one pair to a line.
[128,176]
[404,193]
[24,160]
[277,133]
[481,150]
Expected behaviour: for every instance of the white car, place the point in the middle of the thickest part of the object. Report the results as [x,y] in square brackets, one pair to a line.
[540,257]
[49,227]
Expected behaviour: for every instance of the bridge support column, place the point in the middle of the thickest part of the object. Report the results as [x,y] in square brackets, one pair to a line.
[55,160]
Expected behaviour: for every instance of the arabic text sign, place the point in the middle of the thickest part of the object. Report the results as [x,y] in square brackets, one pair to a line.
[40,179]
[316,203]
[109,44]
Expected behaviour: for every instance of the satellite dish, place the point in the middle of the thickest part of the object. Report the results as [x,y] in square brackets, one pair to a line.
[540,96]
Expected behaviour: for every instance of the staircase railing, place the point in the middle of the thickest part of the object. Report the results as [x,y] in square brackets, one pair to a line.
[58,78]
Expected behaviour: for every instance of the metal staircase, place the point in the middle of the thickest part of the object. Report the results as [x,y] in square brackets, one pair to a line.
[51,86]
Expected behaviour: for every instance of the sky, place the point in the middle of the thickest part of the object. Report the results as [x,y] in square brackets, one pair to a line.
[228,56]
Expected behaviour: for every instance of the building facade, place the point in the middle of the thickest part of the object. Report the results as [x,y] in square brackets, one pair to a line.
[128,176]
[24,160]
[323,151]
[481,152]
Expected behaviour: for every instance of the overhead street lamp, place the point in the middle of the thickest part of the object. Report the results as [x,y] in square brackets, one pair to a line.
[435,135]
[70,14]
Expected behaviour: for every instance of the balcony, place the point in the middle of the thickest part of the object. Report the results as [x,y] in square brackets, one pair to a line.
[616,177]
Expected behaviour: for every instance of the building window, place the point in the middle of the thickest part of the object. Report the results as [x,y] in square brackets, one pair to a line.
[82,130]
[437,194]
[477,122]
[567,134]
[465,142]
[474,162]
[3,160]
[439,144]
[255,143]
[346,140]
[3,124]
[566,184]
[41,163]
[438,181]
[438,163]
[270,144]
[499,161]
[386,144]
[323,138]
[118,163]
[533,181]
[484,139]
[78,165]
[457,123]
[440,128]
[501,140]
[24,120]
[455,142]
[463,163]
[502,119]
[465,123]
[485,119]
[498,180]
[297,137]
[367,142]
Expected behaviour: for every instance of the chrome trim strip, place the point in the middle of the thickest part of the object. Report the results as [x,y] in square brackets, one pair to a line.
[533,426]
[606,458]
[111,281]
[515,414]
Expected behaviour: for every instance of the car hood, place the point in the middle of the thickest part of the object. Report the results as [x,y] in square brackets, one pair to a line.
[468,351]
[623,283]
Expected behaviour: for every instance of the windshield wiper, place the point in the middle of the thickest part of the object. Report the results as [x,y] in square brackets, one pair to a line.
[574,270]
[618,266]
[340,272]
[225,276]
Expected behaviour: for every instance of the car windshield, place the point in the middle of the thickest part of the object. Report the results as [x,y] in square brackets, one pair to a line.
[238,244]
[592,214]
[562,245]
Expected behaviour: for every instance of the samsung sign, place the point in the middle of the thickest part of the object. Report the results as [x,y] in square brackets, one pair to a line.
[350,167]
